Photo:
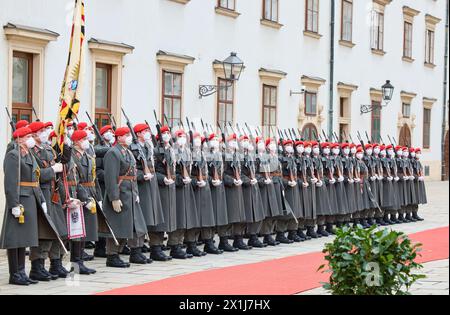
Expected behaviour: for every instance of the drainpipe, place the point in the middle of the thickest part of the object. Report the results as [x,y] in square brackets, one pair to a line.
[331,101]
[444,101]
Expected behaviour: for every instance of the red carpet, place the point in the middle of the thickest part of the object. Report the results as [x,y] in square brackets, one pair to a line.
[283,276]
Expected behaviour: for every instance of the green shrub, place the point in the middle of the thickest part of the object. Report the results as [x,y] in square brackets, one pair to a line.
[371,262]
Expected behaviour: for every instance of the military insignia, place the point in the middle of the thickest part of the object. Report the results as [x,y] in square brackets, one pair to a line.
[74,217]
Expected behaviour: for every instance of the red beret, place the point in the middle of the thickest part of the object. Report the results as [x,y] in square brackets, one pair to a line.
[352,145]
[179,133]
[232,137]
[368,146]
[242,138]
[21,124]
[268,141]
[165,129]
[287,142]
[411,150]
[211,136]
[398,147]
[48,124]
[82,125]
[405,149]
[122,131]
[105,129]
[258,139]
[36,126]
[324,144]
[140,127]
[382,147]
[359,150]
[359,145]
[375,145]
[52,135]
[78,135]
[335,145]
[389,147]
[314,143]
[203,138]
[418,150]
[307,144]
[21,132]
[345,145]
[299,143]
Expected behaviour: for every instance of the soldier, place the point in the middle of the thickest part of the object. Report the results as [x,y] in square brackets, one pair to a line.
[76,192]
[373,178]
[410,184]
[362,171]
[396,201]
[380,210]
[46,158]
[150,200]
[218,194]
[202,190]
[188,219]
[387,186]
[330,183]
[303,164]
[349,181]
[289,222]
[100,150]
[12,143]
[233,189]
[322,197]
[24,202]
[254,210]
[343,207]
[419,183]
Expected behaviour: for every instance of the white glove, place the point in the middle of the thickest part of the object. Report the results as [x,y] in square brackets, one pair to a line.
[100,204]
[253,181]
[201,184]
[405,178]
[357,180]
[117,206]
[138,200]
[148,176]
[268,181]
[314,180]
[238,182]
[372,178]
[187,180]
[305,184]
[380,177]
[168,182]
[411,177]
[44,207]
[15,212]
[332,181]
[389,178]
[319,184]
[351,181]
[292,183]
[57,168]
[90,205]
[396,178]
[216,182]
[341,179]
[421,179]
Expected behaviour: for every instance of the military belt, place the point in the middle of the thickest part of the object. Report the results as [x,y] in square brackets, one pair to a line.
[129,178]
[29,184]
[88,184]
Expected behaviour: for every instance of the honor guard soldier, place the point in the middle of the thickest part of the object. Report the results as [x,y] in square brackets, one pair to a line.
[330,182]
[343,210]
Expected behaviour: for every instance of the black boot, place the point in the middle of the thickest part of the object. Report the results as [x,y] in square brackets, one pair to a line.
[56,268]
[255,242]
[136,257]
[281,237]
[321,231]
[15,275]
[193,250]
[37,272]
[210,248]
[387,219]
[381,222]
[20,254]
[417,217]
[114,261]
[302,235]
[157,254]
[330,230]
[125,251]
[268,239]
[371,222]
[145,249]
[311,232]
[292,235]
[100,248]
[178,253]
[225,246]
[394,219]
[401,218]
[86,257]
[239,243]
[408,217]
[80,268]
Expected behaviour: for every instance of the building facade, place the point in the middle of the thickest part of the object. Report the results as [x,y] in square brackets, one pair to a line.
[154,55]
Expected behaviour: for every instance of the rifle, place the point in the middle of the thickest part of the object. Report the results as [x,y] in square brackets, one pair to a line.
[35,114]
[113,121]
[141,156]
[100,139]
[11,122]
[325,136]
[155,143]
[368,140]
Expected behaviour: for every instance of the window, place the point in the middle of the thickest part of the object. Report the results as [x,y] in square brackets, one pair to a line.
[407,40]
[309,132]
[312,16]
[429,47]
[270,10]
[22,86]
[103,78]
[310,103]
[377,32]
[342,107]
[426,127]
[227,4]
[406,110]
[172,91]
[376,121]
[347,20]
[269,108]
[225,102]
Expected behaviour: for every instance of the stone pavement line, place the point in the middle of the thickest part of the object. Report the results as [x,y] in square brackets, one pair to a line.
[435,212]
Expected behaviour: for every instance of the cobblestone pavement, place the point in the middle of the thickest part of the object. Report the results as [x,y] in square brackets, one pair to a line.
[435,212]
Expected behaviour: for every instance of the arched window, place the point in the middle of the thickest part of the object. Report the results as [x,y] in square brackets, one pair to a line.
[309,132]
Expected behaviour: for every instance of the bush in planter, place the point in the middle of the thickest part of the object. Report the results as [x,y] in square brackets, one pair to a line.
[369,262]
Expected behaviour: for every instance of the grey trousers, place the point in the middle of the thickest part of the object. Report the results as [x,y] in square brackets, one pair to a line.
[321,219]
[268,226]
[136,242]
[238,229]
[254,228]
[156,238]
[46,249]
[176,237]
[415,209]
[207,233]
[286,223]
[192,235]
[112,248]
[224,230]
